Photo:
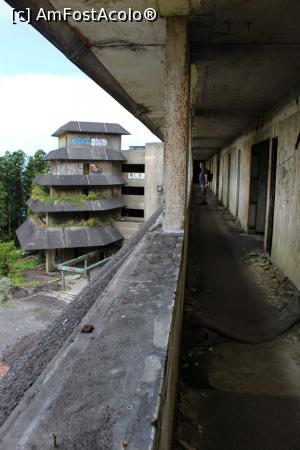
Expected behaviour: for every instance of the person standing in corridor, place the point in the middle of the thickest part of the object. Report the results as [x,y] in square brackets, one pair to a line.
[203,180]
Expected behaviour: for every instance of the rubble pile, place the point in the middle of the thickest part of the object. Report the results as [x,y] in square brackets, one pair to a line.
[280,291]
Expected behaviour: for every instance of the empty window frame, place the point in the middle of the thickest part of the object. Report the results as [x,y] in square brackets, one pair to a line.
[133,168]
[132,190]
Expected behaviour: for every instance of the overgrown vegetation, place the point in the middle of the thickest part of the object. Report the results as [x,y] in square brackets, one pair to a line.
[13,262]
[92,222]
[39,193]
[17,172]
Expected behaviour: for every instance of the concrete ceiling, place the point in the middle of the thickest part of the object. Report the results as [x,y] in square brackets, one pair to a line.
[245,56]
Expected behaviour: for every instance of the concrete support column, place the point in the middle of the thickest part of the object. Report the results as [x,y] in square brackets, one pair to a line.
[177,99]
[50,257]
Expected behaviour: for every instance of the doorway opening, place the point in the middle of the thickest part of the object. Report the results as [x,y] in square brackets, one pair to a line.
[238,179]
[258,187]
[273,168]
[196,170]
[217,175]
[223,178]
[228,178]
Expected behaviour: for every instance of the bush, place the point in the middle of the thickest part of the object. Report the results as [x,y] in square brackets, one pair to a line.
[13,262]
[39,193]
[9,254]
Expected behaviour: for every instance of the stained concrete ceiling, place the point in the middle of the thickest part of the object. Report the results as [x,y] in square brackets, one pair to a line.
[245,56]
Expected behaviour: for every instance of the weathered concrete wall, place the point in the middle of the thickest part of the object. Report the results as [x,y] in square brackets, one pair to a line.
[214,162]
[113,142]
[66,168]
[153,177]
[282,123]
[135,156]
[286,232]
[109,167]
[108,192]
[129,226]
[82,168]
[134,201]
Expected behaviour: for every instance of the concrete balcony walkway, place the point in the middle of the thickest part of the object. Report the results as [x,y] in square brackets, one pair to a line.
[240,375]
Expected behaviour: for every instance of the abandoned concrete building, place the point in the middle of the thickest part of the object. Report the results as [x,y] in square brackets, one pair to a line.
[216,81]
[92,198]
[142,193]
[84,198]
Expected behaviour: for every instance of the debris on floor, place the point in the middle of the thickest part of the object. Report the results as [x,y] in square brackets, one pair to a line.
[272,280]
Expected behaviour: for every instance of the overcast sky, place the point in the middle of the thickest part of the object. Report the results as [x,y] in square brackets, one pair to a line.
[40,90]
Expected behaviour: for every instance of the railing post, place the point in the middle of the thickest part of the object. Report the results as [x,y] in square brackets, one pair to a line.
[87,274]
[63,281]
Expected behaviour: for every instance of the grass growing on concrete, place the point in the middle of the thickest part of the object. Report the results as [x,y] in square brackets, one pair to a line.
[92,222]
[38,193]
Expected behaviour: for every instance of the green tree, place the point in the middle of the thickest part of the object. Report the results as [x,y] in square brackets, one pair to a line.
[35,165]
[17,172]
[11,177]
[3,212]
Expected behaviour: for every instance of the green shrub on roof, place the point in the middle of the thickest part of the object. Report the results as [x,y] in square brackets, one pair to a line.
[39,193]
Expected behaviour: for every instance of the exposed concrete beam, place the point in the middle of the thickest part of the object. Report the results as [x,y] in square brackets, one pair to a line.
[177,96]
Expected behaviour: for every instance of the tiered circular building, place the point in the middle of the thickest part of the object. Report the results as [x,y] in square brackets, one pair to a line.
[74,205]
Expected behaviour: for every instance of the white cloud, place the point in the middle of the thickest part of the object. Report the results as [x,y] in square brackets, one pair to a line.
[33,106]
[5,12]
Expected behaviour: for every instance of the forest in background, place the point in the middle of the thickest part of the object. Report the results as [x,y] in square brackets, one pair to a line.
[17,171]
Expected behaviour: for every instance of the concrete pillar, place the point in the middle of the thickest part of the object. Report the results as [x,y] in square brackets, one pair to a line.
[177,96]
[50,257]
